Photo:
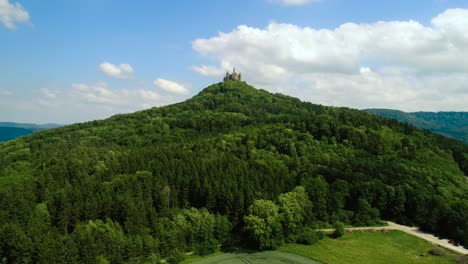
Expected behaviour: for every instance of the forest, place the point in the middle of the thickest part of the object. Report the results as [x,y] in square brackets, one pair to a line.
[233,165]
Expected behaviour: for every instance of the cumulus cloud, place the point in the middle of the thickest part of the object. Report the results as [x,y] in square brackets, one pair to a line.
[12,13]
[122,71]
[294,2]
[402,64]
[171,86]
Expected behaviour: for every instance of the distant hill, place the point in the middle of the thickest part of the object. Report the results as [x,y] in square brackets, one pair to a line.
[450,124]
[10,130]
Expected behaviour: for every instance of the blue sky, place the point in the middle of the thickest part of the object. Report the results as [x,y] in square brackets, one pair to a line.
[72,61]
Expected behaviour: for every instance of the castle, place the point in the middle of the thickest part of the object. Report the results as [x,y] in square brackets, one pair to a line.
[234,76]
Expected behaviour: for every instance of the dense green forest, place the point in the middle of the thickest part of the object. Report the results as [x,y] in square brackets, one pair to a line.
[233,164]
[451,124]
[10,130]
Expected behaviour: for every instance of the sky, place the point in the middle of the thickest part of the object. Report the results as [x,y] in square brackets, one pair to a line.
[74,61]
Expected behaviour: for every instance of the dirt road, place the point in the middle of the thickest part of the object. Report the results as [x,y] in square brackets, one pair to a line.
[412,231]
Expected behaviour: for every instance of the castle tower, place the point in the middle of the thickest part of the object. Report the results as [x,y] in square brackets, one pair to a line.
[234,76]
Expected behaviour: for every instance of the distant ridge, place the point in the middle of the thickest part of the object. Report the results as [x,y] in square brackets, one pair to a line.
[11,130]
[450,124]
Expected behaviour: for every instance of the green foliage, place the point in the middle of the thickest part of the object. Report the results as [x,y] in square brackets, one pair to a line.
[98,238]
[176,258]
[15,245]
[292,208]
[124,188]
[309,236]
[222,229]
[198,229]
[339,229]
[317,189]
[263,224]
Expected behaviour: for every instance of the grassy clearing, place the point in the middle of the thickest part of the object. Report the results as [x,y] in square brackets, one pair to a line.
[367,247]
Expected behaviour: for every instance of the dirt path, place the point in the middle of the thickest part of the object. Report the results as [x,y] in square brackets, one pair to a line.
[412,231]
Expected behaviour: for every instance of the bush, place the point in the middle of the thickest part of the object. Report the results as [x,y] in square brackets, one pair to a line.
[175,258]
[437,252]
[309,236]
[339,229]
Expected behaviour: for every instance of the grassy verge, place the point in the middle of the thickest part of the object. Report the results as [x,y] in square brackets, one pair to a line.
[195,258]
[391,247]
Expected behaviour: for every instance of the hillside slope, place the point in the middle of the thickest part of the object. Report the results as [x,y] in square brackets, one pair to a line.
[451,124]
[122,188]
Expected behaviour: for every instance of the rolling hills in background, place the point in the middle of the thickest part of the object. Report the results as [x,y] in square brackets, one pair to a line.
[164,181]
[10,130]
[450,124]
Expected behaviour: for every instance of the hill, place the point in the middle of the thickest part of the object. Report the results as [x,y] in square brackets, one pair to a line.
[164,181]
[10,130]
[450,124]
[9,133]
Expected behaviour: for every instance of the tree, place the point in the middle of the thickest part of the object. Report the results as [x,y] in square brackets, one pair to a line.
[317,190]
[292,208]
[38,230]
[263,224]
[222,228]
[15,246]
[98,238]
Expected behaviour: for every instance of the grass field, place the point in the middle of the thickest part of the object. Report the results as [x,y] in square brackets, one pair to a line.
[353,248]
[375,248]
[265,257]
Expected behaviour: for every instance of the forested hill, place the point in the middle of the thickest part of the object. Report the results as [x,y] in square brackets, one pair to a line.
[451,124]
[165,181]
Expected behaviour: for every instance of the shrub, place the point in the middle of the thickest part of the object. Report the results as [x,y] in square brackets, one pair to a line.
[175,258]
[309,236]
[339,229]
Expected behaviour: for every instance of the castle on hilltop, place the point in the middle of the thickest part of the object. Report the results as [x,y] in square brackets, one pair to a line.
[234,76]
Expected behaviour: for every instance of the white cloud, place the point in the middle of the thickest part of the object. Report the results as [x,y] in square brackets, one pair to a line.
[402,64]
[100,93]
[148,95]
[83,101]
[6,92]
[49,93]
[122,71]
[294,2]
[171,86]
[208,70]
[11,13]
